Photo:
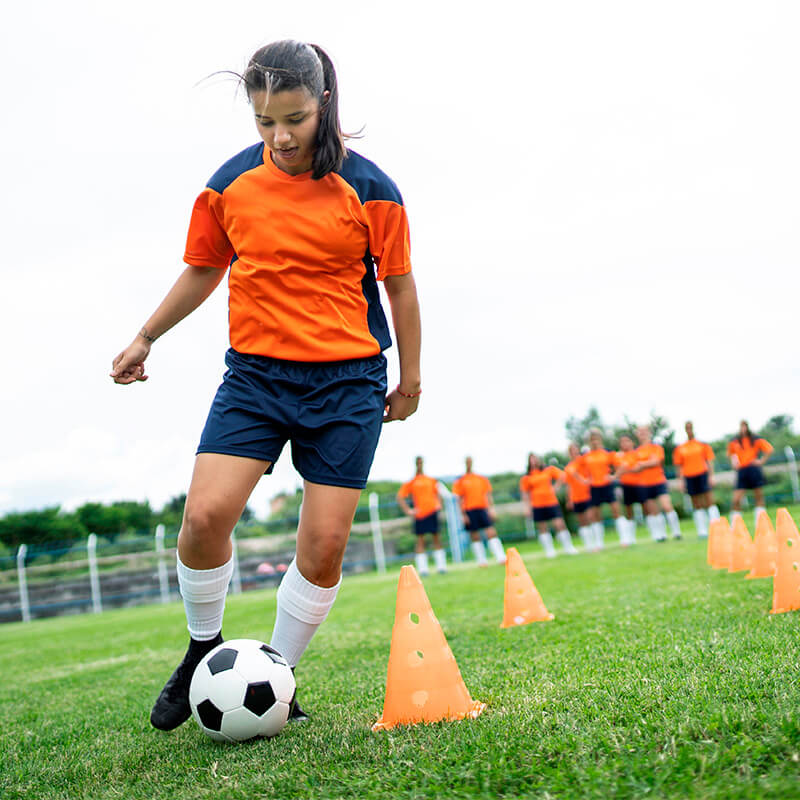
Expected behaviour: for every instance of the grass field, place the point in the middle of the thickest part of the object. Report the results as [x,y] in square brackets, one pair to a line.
[659,677]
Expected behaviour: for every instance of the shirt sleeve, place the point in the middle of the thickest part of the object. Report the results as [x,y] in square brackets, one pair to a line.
[405,491]
[731,448]
[389,241]
[709,453]
[207,243]
[677,456]
[764,446]
[457,488]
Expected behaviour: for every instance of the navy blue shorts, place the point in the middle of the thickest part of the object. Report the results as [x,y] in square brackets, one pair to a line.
[546,513]
[331,412]
[750,477]
[603,494]
[697,484]
[429,524]
[583,505]
[652,492]
[631,494]
[478,519]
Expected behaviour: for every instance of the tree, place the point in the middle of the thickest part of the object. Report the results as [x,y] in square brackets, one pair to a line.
[578,428]
[47,526]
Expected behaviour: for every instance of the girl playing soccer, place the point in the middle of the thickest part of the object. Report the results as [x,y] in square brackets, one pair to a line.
[303,223]
[579,495]
[748,454]
[653,487]
[695,464]
[629,480]
[600,464]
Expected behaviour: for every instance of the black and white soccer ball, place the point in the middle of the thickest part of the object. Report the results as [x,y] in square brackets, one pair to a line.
[240,690]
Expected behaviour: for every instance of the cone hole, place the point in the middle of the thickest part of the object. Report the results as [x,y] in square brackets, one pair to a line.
[414,617]
[520,592]
[516,573]
[794,565]
[420,654]
[788,542]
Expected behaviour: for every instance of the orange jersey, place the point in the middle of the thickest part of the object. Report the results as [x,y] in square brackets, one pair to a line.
[693,457]
[539,486]
[651,476]
[302,254]
[424,493]
[473,490]
[599,464]
[629,459]
[579,492]
[746,451]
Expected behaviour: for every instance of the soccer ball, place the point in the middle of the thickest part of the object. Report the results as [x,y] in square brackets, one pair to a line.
[242,689]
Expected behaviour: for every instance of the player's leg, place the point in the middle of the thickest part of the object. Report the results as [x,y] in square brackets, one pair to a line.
[478,550]
[652,518]
[439,554]
[545,537]
[758,497]
[665,501]
[220,487]
[620,523]
[563,535]
[420,553]
[495,545]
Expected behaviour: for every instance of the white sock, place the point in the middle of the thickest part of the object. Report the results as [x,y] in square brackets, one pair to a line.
[599,534]
[674,523]
[302,608]
[203,592]
[421,560]
[713,512]
[479,552]
[440,559]
[652,526]
[701,522]
[496,546]
[622,529]
[631,531]
[585,532]
[758,510]
[735,514]
[565,539]
[546,539]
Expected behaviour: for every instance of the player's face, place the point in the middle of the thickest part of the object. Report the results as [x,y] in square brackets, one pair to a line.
[690,430]
[643,435]
[573,451]
[625,444]
[287,121]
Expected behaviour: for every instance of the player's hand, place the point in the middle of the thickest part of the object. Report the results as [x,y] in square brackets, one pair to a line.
[128,366]
[399,407]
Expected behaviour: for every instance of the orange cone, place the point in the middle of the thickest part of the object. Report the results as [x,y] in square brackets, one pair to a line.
[721,557]
[712,546]
[423,683]
[786,583]
[741,547]
[765,549]
[523,603]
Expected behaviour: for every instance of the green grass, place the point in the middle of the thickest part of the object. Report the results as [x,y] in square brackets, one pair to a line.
[659,677]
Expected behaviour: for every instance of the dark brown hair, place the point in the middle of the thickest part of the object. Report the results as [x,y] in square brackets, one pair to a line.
[291,65]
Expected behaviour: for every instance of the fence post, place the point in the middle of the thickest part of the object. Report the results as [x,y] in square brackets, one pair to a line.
[377,534]
[236,580]
[453,523]
[94,580]
[793,472]
[24,601]
[163,577]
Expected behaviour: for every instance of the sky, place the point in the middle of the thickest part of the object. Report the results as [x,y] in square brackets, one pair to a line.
[602,198]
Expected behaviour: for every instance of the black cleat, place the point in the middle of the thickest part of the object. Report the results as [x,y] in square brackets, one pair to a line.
[171,708]
[296,714]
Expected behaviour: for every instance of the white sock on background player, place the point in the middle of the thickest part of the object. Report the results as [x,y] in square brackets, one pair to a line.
[700,516]
[203,592]
[713,512]
[622,529]
[302,608]
[599,535]
[421,560]
[674,523]
[652,526]
[565,540]
[585,532]
[440,559]
[757,511]
[496,546]
[479,552]
[631,530]
[546,539]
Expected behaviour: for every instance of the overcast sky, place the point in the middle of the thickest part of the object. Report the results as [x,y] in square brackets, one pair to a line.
[603,200]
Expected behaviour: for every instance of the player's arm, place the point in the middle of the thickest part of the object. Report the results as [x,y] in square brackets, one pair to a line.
[402,293]
[766,449]
[193,286]
[404,506]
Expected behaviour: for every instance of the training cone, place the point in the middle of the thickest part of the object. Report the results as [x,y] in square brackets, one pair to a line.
[711,545]
[765,549]
[423,683]
[523,603]
[741,547]
[721,557]
[786,583]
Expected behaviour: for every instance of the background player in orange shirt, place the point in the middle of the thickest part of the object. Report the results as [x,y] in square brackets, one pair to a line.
[538,490]
[744,454]
[307,335]
[695,464]
[653,487]
[474,493]
[628,477]
[579,494]
[600,464]
[424,493]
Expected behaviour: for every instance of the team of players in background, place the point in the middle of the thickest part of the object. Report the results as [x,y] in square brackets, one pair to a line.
[591,477]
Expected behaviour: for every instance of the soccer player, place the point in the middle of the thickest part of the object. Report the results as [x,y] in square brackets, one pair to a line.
[600,464]
[653,487]
[695,464]
[579,495]
[474,493]
[628,477]
[748,454]
[304,228]
[538,490]
[424,493]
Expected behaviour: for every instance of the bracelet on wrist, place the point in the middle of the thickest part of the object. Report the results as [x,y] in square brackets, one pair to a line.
[145,335]
[409,396]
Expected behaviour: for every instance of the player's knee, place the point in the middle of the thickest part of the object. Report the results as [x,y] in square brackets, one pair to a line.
[203,524]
